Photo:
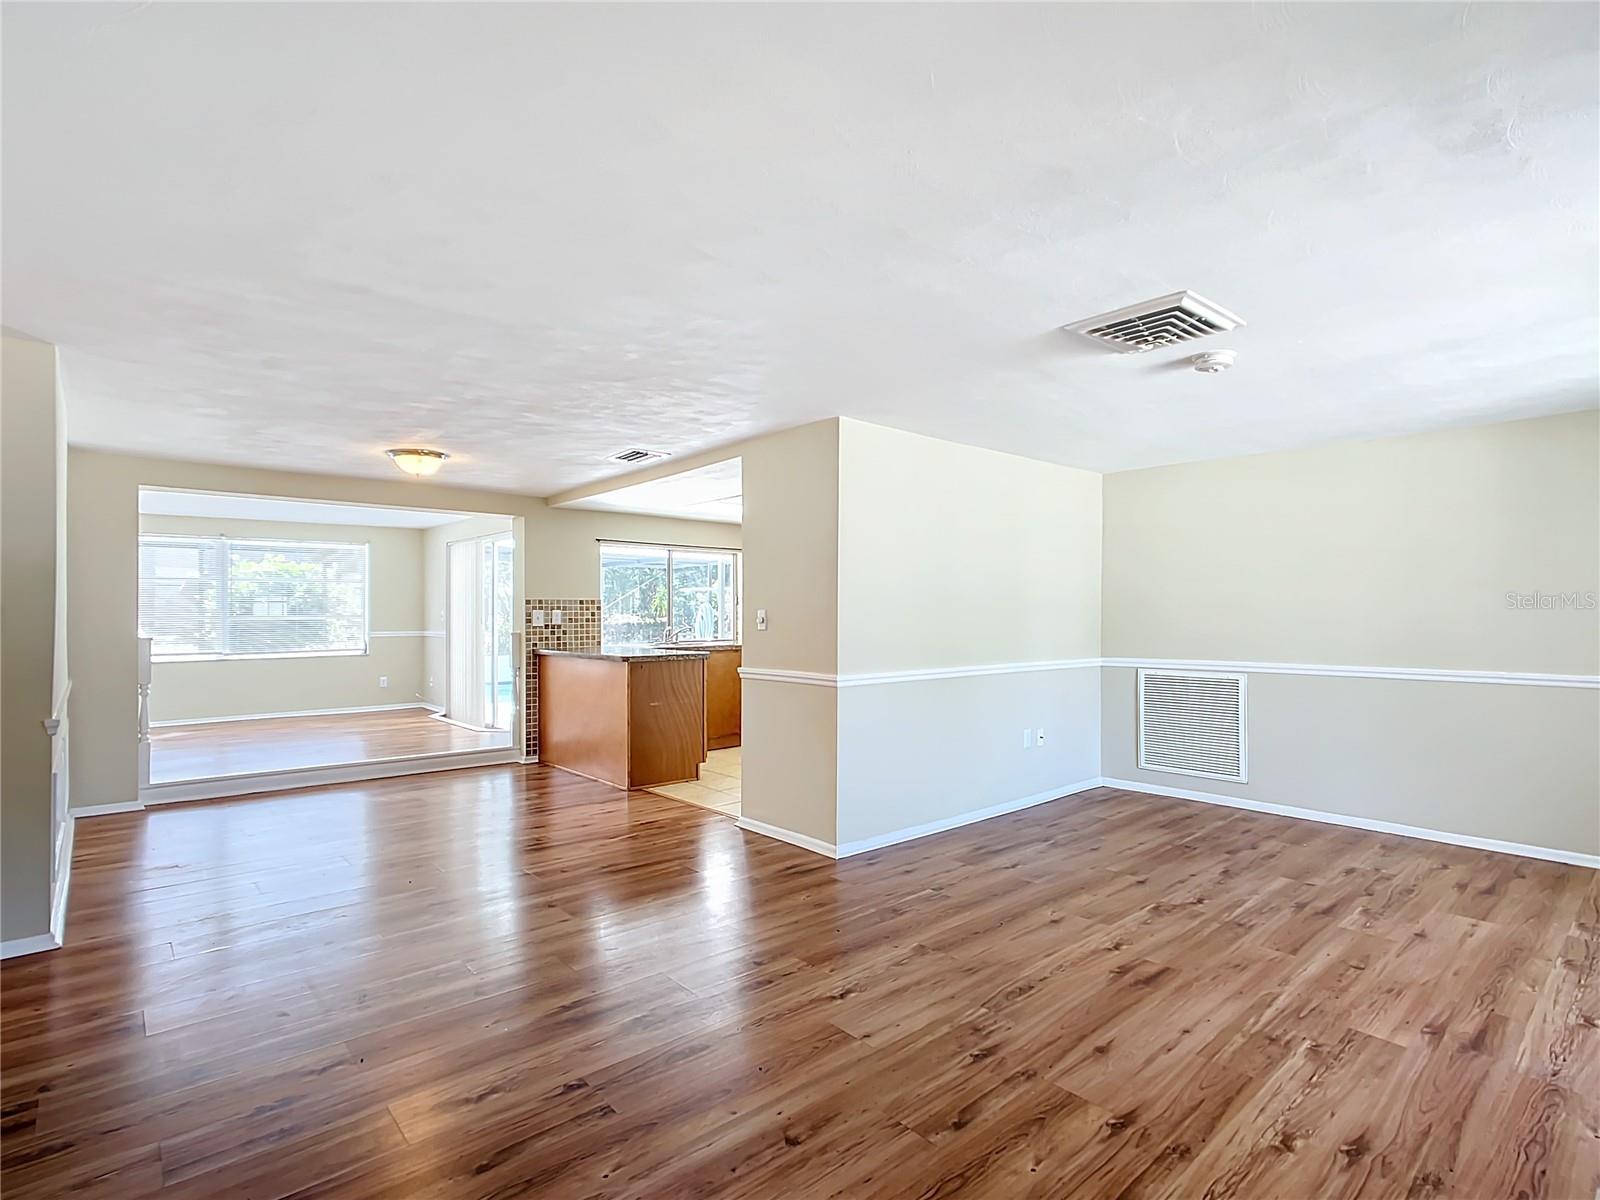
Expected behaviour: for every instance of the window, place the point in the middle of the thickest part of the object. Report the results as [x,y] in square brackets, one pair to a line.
[653,594]
[212,597]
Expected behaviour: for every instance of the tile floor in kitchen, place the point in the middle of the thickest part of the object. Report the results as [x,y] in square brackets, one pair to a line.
[718,788]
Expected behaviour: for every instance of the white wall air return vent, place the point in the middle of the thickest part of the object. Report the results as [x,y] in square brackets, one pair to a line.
[635,455]
[1192,723]
[1164,321]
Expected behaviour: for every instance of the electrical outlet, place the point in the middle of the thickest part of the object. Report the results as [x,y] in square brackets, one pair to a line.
[383,681]
[1040,742]
[1027,738]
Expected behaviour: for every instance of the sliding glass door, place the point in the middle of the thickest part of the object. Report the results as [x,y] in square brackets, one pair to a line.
[495,563]
[481,641]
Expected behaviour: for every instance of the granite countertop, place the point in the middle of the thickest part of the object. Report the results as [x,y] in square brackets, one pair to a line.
[628,653]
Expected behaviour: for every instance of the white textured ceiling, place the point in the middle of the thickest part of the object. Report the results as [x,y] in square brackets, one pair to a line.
[169,503]
[714,492]
[534,235]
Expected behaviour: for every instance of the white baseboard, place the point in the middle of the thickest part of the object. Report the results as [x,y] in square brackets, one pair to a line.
[56,938]
[780,834]
[224,786]
[304,712]
[106,810]
[863,845]
[17,947]
[1548,854]
[967,818]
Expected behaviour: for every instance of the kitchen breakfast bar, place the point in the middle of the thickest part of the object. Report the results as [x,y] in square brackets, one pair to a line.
[633,718]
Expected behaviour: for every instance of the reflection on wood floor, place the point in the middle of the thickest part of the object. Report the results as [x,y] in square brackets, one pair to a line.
[512,981]
[206,750]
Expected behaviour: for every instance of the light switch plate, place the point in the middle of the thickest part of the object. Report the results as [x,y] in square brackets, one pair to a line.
[761,618]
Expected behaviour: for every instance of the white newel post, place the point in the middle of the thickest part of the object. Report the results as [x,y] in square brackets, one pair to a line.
[144,711]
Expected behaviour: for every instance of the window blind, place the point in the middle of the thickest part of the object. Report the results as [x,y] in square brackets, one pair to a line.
[212,597]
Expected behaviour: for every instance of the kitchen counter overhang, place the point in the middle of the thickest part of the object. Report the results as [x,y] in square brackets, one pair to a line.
[631,654]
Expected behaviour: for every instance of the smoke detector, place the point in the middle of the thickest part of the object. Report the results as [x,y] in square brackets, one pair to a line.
[1213,362]
[1152,324]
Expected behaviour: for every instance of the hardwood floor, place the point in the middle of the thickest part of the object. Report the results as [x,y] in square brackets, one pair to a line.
[514,982]
[206,750]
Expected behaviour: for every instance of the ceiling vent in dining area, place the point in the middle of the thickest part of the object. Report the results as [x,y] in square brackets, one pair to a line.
[635,456]
[1165,321]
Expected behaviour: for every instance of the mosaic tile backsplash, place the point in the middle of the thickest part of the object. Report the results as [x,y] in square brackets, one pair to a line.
[578,629]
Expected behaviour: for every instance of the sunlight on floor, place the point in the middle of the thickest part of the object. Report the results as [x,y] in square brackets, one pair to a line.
[719,784]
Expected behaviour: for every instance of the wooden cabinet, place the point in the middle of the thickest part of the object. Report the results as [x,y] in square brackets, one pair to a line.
[628,720]
[724,698]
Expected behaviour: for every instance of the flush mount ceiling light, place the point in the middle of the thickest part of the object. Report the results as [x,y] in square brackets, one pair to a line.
[416,461]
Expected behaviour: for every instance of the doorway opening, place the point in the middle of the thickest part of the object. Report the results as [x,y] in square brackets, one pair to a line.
[684,598]
[285,642]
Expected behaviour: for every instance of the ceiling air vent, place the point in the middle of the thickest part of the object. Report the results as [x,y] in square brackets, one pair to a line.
[1166,321]
[636,455]
[1192,723]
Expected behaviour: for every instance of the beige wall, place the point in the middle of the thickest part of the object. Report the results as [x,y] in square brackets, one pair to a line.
[875,550]
[33,660]
[1387,553]
[953,556]
[913,754]
[61,675]
[1393,553]
[182,691]
[790,764]
[558,550]
[791,557]
[1515,764]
